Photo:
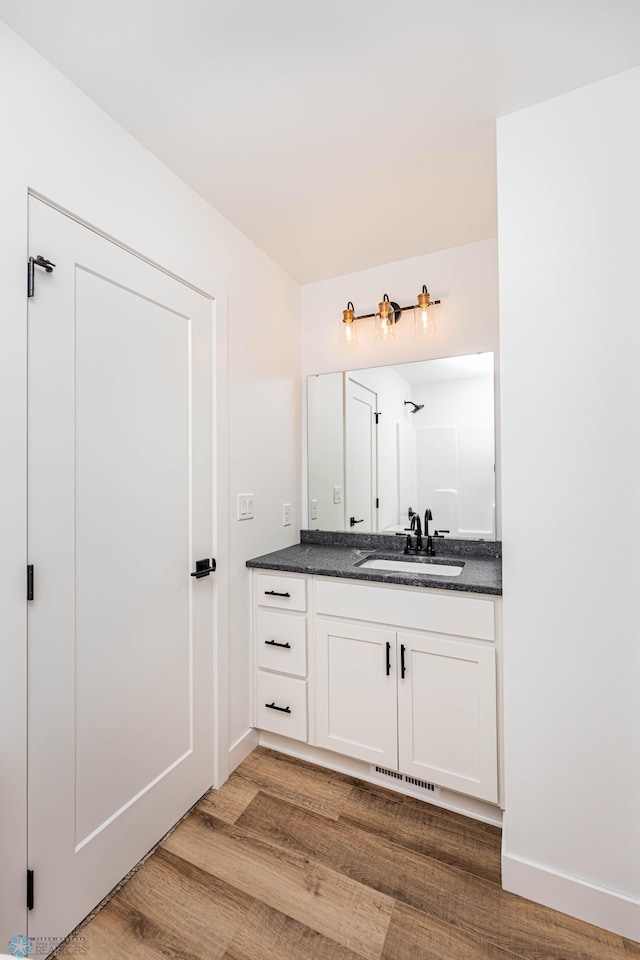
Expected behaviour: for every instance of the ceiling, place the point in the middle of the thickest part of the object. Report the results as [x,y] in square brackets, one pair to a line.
[338,134]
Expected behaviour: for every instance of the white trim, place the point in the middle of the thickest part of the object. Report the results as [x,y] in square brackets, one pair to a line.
[578,898]
[241,749]
[220,543]
[13,543]
[449,799]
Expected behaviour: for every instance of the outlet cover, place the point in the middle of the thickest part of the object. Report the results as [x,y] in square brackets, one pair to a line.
[286,514]
[314,509]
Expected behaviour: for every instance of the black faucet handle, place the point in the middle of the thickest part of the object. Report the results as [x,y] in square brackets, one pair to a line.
[407,548]
[441,534]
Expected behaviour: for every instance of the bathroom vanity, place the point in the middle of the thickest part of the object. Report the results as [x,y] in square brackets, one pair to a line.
[399,671]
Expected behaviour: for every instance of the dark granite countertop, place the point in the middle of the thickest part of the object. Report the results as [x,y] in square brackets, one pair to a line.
[480,574]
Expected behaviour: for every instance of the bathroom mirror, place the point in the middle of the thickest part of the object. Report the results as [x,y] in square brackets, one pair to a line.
[412,435]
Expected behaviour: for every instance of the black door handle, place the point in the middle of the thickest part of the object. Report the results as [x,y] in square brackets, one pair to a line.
[402,666]
[353,521]
[204,568]
[272,706]
[388,658]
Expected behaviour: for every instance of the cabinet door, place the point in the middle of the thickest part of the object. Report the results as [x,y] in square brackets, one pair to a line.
[356,691]
[447,713]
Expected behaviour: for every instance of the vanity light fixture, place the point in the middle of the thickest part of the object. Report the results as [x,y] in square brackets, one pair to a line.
[389,312]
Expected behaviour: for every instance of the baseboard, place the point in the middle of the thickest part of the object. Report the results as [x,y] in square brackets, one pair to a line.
[241,749]
[598,905]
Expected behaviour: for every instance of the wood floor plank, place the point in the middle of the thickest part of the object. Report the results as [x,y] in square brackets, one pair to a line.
[447,893]
[424,829]
[271,935]
[321,898]
[230,800]
[412,934]
[295,781]
[632,949]
[201,909]
[121,933]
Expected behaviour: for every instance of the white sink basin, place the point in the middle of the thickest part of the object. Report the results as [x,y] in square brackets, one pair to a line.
[410,566]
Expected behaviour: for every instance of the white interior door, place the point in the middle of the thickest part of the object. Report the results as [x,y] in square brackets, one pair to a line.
[361,458]
[120,509]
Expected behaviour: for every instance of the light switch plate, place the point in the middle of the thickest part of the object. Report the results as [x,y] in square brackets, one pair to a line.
[286,514]
[245,506]
[337,494]
[314,509]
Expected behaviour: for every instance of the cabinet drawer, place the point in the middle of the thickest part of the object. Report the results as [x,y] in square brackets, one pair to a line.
[401,607]
[271,688]
[288,593]
[281,642]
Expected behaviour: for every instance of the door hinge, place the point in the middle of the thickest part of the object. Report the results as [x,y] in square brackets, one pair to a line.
[31,272]
[30,581]
[377,415]
[29,889]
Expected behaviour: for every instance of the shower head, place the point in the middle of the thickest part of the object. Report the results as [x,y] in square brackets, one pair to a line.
[416,406]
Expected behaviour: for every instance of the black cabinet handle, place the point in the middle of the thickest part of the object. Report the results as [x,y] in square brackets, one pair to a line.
[388,658]
[274,643]
[274,593]
[204,568]
[272,706]
[402,666]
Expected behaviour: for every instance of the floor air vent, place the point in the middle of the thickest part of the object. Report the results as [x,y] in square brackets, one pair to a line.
[424,784]
[389,773]
[431,788]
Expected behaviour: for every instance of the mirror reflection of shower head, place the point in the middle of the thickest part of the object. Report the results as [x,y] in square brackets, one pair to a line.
[416,406]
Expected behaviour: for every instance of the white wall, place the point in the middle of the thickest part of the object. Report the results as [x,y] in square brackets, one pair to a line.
[325,423]
[465,279]
[58,143]
[569,215]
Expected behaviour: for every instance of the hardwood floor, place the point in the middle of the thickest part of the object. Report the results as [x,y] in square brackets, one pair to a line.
[293,862]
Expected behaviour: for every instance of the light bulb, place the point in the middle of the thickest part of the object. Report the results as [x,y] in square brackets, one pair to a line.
[348,328]
[424,312]
[385,320]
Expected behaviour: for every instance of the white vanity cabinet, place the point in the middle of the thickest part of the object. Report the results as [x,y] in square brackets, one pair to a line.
[406,679]
[399,677]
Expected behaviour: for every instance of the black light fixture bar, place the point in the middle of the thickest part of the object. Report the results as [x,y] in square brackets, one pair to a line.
[413,306]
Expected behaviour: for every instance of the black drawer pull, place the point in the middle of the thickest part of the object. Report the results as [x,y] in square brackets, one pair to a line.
[274,643]
[274,593]
[272,706]
[403,669]
[388,658]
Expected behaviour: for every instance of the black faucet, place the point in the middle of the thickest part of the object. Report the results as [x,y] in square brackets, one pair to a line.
[430,549]
[417,526]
